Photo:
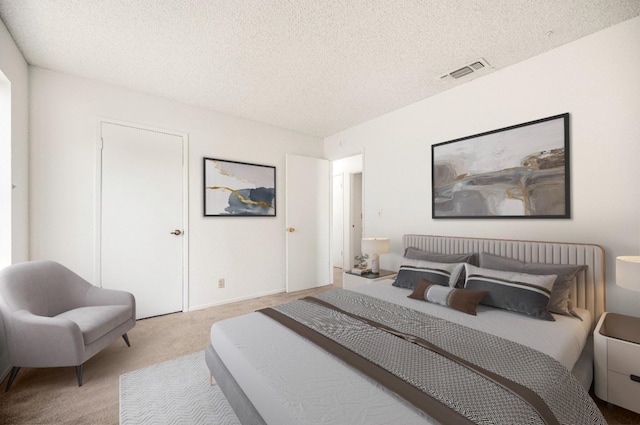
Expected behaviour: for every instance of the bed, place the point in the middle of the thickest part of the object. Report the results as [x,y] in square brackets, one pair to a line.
[273,373]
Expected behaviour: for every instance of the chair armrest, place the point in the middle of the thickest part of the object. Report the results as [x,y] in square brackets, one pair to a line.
[40,341]
[102,296]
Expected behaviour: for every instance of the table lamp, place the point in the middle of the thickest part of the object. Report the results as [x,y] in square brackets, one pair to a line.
[374,247]
[628,272]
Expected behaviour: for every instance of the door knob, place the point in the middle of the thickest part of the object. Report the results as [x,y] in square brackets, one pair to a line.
[291,229]
[177,232]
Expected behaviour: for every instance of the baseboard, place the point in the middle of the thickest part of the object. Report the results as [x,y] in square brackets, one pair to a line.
[233,300]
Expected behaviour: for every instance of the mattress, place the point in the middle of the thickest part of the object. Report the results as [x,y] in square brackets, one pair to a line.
[289,380]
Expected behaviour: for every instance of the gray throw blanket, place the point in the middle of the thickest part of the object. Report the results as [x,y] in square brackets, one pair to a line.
[462,370]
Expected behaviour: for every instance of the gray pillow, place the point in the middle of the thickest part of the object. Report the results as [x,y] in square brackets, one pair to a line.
[559,302]
[412,271]
[418,254]
[520,292]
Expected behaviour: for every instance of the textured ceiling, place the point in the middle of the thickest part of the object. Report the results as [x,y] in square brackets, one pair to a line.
[314,66]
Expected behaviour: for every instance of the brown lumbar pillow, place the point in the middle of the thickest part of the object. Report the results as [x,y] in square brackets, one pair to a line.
[464,300]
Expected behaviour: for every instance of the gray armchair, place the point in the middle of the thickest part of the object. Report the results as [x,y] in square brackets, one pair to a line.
[54,318]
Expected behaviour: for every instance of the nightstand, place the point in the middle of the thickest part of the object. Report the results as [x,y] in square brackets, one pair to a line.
[617,360]
[351,280]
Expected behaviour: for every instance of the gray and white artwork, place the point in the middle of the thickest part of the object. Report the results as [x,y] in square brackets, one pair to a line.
[238,189]
[520,171]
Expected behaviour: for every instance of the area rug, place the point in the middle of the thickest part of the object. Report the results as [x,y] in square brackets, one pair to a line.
[173,392]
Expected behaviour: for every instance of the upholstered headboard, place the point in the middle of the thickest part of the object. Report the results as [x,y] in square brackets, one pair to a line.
[588,292]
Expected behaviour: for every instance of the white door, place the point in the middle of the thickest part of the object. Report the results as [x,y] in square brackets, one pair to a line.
[307,217]
[141,240]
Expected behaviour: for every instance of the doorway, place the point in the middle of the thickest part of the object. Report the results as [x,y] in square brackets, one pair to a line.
[142,219]
[347,210]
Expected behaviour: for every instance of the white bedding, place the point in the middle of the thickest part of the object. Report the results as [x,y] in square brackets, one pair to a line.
[291,381]
[563,339]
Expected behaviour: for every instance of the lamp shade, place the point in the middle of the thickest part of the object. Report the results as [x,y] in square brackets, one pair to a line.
[375,245]
[628,272]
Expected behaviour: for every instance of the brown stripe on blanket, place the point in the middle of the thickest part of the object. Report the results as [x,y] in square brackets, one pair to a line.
[526,394]
[432,407]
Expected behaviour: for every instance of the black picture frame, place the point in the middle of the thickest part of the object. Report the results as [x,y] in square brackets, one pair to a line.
[238,189]
[521,171]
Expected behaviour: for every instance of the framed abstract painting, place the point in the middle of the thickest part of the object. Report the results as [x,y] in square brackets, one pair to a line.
[234,188]
[520,171]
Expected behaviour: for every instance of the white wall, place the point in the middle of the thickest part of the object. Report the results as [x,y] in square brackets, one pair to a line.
[14,230]
[249,252]
[5,170]
[596,79]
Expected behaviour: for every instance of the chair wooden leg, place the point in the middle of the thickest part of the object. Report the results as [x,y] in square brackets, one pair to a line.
[12,377]
[126,339]
[79,374]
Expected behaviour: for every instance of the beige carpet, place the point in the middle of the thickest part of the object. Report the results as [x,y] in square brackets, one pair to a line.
[52,396]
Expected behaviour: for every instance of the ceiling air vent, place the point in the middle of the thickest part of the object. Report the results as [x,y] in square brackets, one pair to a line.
[466,70]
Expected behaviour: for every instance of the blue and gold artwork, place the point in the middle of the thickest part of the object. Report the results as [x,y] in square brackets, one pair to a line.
[238,189]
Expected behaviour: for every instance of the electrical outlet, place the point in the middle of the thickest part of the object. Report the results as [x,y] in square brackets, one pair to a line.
[221,282]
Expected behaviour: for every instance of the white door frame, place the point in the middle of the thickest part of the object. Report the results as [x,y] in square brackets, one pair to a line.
[185,200]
